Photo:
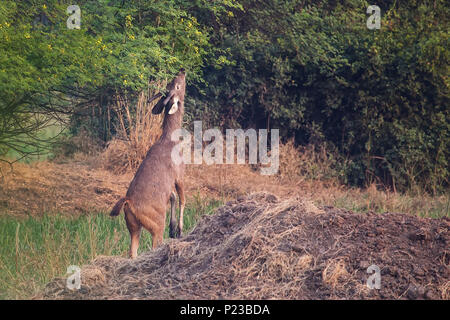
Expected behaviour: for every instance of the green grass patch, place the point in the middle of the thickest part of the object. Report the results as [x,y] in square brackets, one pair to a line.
[40,150]
[33,250]
[418,205]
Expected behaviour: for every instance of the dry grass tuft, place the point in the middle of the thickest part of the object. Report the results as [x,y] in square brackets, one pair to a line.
[445,291]
[304,262]
[310,207]
[93,276]
[335,273]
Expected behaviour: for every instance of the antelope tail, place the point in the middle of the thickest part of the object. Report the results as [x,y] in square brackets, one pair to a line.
[117,207]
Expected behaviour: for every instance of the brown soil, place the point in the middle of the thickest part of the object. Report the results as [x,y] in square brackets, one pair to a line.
[261,247]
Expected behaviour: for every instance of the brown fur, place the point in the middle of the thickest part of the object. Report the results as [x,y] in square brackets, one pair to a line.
[152,187]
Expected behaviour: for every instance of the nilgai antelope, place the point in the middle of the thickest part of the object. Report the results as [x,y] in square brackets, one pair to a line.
[152,187]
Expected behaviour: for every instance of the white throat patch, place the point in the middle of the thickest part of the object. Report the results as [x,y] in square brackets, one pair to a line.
[174,107]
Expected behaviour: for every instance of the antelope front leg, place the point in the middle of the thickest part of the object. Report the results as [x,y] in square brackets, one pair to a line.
[134,244]
[173,217]
[180,190]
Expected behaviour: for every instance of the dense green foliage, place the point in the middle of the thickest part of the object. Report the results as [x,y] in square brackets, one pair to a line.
[318,73]
[378,98]
[45,67]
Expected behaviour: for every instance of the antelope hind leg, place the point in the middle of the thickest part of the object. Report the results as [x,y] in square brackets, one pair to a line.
[154,222]
[134,227]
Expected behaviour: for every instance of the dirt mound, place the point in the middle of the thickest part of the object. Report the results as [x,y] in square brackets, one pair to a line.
[260,247]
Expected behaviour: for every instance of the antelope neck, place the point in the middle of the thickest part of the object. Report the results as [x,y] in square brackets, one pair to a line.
[172,122]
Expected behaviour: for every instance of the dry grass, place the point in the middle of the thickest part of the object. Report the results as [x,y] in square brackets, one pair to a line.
[49,187]
[138,129]
[306,163]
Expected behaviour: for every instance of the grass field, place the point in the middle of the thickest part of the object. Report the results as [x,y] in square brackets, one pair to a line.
[33,250]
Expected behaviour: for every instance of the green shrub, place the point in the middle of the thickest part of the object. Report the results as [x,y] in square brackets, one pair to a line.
[316,72]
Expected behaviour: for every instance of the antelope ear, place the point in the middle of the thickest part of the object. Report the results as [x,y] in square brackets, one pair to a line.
[169,96]
[158,108]
[156,96]
[174,107]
